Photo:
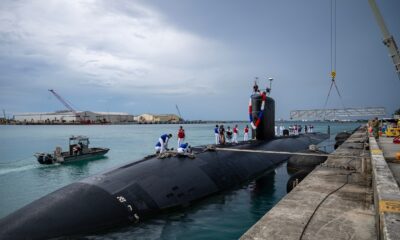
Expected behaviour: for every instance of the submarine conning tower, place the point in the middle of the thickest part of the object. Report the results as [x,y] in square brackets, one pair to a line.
[262,116]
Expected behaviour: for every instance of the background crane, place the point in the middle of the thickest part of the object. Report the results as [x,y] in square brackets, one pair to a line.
[62,101]
[388,39]
[179,112]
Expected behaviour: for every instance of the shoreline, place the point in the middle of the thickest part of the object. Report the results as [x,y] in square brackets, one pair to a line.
[175,123]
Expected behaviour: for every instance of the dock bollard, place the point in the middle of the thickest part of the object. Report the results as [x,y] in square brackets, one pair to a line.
[363,165]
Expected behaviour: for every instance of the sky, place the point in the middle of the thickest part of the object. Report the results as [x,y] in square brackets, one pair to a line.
[147,56]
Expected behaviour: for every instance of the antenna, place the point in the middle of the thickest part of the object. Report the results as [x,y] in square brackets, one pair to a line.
[270,84]
[255,87]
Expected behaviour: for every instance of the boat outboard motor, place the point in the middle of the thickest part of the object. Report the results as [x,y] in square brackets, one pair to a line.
[44,158]
[265,129]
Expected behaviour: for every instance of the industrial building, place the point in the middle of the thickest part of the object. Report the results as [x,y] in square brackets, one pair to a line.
[87,117]
[158,118]
[74,117]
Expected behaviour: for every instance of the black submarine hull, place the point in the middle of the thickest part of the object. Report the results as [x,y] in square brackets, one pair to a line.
[139,190]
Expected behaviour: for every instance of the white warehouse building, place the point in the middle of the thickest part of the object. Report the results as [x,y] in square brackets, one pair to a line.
[71,117]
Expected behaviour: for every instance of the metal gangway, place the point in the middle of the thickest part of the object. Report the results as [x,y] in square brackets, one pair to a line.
[337,114]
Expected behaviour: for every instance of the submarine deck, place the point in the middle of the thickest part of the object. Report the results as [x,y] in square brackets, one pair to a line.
[344,198]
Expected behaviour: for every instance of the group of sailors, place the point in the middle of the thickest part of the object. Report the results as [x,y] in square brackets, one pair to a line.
[223,136]
[162,144]
[230,135]
[293,130]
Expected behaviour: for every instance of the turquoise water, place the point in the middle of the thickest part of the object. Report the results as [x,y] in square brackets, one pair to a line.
[224,216]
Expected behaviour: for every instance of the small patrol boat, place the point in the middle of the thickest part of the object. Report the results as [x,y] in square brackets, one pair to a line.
[78,150]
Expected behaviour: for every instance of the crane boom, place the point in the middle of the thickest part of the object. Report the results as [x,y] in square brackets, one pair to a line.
[179,112]
[388,39]
[62,101]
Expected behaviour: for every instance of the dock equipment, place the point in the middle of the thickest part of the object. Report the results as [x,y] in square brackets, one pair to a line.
[65,103]
[321,114]
[388,39]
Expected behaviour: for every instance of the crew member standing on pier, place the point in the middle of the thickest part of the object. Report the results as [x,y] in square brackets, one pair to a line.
[216,132]
[181,135]
[375,128]
[163,140]
[246,133]
[235,134]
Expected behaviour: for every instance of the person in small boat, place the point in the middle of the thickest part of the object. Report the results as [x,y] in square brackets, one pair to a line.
[77,149]
[163,140]
[184,148]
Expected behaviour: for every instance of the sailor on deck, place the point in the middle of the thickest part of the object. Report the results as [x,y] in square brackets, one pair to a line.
[163,140]
[235,134]
[281,128]
[181,135]
[184,148]
[246,133]
[229,134]
[158,147]
[216,132]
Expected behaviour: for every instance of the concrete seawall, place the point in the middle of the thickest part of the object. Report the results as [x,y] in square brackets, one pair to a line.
[335,201]
[386,193]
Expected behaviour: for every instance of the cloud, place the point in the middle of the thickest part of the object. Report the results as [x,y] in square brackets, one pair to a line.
[122,46]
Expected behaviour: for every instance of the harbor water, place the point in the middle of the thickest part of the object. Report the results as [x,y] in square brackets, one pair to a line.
[223,216]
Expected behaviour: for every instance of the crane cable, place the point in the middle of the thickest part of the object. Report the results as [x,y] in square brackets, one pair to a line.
[333,55]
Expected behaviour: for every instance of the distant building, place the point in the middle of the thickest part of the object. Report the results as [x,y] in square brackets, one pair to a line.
[157,118]
[167,118]
[145,117]
[71,117]
[114,117]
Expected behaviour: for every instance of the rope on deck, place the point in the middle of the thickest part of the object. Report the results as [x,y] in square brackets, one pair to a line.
[287,153]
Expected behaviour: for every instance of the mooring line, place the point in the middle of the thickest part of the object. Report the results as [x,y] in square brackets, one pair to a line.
[287,153]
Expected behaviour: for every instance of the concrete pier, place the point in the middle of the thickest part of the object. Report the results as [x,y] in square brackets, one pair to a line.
[353,195]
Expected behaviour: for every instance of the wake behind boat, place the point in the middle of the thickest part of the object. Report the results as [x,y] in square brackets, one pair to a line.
[78,150]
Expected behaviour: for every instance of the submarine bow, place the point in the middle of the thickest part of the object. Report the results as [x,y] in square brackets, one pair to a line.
[141,189]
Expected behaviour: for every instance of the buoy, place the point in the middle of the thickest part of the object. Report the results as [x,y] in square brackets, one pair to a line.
[307,163]
[341,138]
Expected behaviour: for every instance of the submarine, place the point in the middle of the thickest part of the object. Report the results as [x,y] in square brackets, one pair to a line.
[134,192]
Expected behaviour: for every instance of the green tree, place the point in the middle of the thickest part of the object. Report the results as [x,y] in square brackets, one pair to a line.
[397,112]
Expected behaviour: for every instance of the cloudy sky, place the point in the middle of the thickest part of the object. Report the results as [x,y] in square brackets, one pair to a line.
[147,56]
